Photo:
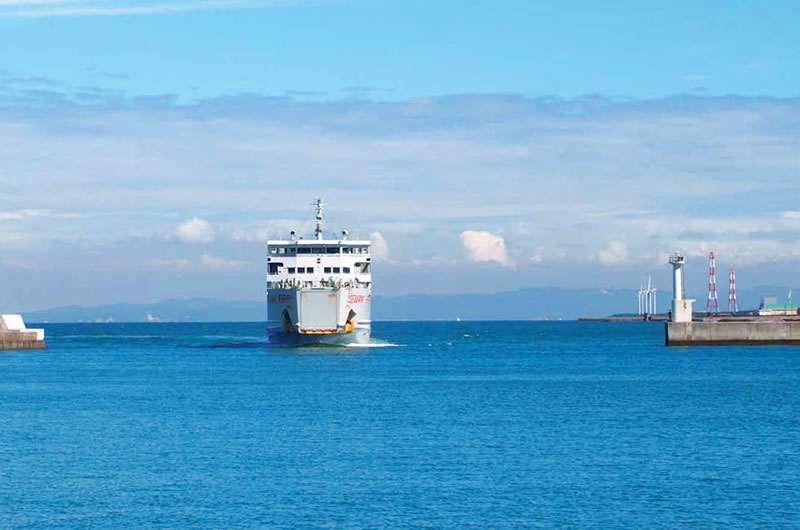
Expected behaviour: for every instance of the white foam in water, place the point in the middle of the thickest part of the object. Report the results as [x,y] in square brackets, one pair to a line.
[372,345]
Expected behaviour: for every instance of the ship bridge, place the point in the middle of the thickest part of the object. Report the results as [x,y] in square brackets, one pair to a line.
[318,263]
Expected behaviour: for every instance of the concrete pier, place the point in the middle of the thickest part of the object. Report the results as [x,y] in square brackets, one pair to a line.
[744,332]
[15,336]
[682,330]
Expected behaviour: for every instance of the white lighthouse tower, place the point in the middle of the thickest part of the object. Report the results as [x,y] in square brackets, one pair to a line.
[681,307]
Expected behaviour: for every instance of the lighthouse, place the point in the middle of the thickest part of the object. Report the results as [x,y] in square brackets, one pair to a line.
[681,307]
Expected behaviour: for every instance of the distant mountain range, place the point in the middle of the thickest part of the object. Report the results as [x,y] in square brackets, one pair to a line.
[525,304]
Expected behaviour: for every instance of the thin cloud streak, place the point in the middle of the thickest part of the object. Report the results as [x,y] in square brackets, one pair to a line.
[70,8]
[34,3]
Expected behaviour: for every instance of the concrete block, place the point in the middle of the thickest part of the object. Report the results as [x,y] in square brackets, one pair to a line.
[732,332]
[15,336]
[11,323]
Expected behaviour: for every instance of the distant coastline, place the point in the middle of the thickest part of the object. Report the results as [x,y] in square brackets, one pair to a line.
[539,303]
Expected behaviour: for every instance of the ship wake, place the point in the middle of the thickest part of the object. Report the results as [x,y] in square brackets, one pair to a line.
[373,344]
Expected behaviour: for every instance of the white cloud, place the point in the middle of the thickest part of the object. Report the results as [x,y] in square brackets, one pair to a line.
[216,263]
[485,246]
[380,247]
[206,261]
[10,216]
[272,229]
[28,214]
[253,234]
[194,230]
[16,263]
[615,254]
[168,264]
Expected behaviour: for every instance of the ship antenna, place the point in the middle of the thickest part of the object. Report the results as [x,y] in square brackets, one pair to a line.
[318,218]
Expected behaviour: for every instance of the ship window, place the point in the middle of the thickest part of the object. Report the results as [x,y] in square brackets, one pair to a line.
[274,268]
[273,250]
[292,250]
[291,270]
[332,250]
[327,270]
[364,268]
[364,250]
[346,270]
[304,250]
[281,250]
[345,250]
[336,270]
[301,270]
[309,270]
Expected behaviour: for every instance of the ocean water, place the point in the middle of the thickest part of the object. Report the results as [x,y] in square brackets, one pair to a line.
[514,424]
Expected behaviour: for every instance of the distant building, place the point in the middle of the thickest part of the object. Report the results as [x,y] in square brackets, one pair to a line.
[770,307]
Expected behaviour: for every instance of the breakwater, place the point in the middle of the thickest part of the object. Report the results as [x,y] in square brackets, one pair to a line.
[15,336]
[732,332]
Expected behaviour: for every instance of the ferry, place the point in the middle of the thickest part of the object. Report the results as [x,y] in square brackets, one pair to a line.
[319,290]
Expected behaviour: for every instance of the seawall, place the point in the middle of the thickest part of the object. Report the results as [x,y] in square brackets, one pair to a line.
[732,332]
[21,340]
[15,336]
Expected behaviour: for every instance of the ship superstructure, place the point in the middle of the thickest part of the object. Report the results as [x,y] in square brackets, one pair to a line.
[319,290]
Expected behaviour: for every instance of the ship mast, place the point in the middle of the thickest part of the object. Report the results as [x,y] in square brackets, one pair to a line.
[318,218]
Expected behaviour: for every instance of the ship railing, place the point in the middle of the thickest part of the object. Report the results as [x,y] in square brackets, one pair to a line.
[330,283]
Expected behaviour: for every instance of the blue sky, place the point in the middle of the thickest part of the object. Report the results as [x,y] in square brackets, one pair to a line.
[148,148]
[399,49]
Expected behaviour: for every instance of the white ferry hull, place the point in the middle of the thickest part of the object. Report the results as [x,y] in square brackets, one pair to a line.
[319,290]
[326,316]
[360,335]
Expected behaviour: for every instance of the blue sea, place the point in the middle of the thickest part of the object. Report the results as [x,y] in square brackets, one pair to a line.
[442,425]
